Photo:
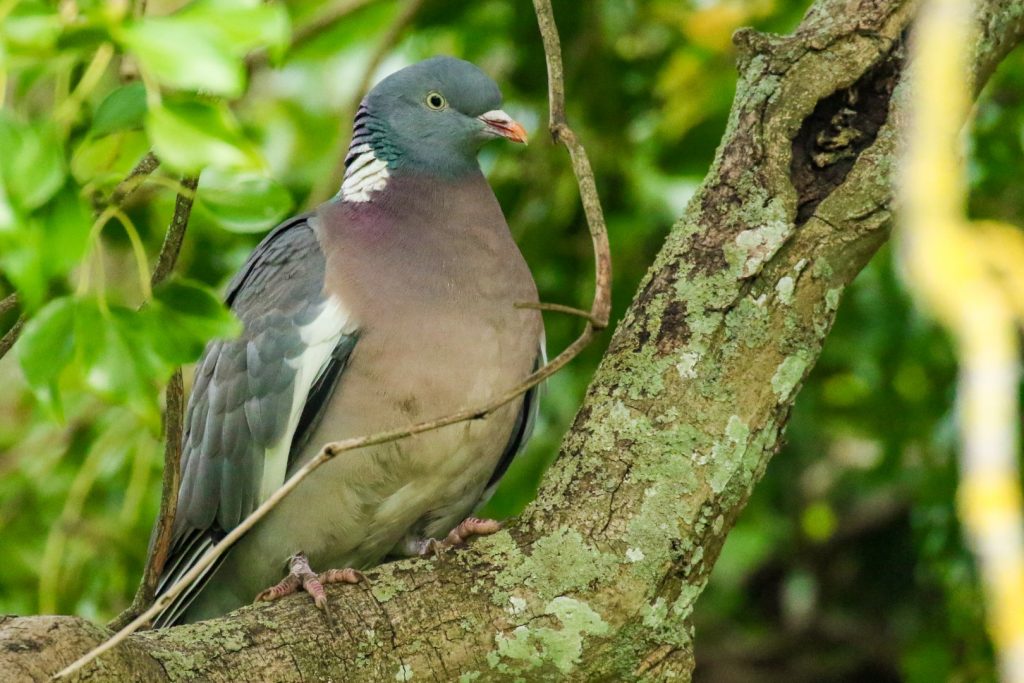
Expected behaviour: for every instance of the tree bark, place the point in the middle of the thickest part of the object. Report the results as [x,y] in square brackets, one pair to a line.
[597,579]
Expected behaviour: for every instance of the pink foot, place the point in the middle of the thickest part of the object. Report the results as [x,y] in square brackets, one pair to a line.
[467,529]
[301,575]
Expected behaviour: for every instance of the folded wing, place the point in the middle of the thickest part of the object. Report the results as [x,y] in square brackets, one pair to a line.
[256,399]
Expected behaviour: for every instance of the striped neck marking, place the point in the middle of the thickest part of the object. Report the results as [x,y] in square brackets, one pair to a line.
[365,175]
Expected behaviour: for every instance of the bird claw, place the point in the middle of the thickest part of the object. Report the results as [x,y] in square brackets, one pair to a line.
[301,575]
[467,529]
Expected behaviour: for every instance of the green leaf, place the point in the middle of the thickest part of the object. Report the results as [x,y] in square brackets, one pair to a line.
[117,359]
[243,203]
[90,325]
[186,315]
[201,47]
[45,348]
[66,222]
[44,245]
[243,24]
[22,260]
[9,218]
[31,161]
[31,28]
[190,135]
[122,109]
[108,158]
[186,54]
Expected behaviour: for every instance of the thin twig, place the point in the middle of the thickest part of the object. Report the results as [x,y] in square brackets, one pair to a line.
[8,303]
[173,420]
[557,308]
[134,179]
[561,132]
[162,534]
[327,187]
[176,230]
[599,312]
[12,336]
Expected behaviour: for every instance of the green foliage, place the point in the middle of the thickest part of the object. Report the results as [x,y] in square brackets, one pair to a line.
[848,563]
[190,134]
[123,109]
[244,203]
[89,89]
[201,46]
[121,353]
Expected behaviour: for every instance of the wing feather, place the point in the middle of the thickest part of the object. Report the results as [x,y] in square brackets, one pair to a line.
[254,397]
[522,430]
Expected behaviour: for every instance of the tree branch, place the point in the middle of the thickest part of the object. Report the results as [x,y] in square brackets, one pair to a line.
[171,247]
[134,179]
[598,578]
[8,340]
[8,303]
[173,420]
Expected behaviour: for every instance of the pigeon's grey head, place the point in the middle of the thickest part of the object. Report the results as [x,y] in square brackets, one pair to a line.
[433,117]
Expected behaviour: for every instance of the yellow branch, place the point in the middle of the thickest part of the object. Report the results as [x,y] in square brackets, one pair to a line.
[972,279]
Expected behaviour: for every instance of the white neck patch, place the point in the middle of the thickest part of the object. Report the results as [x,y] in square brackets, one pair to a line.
[364,176]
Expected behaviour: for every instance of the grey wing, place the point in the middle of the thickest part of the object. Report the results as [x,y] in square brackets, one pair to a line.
[255,397]
[522,430]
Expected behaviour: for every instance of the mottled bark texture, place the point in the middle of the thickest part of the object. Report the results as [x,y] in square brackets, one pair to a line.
[598,579]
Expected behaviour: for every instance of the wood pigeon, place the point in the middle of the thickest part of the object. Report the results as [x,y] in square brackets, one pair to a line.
[391,304]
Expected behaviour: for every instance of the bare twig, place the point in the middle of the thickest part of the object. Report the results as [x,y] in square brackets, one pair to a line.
[558,308]
[176,230]
[8,303]
[327,187]
[561,132]
[599,312]
[161,542]
[134,179]
[12,336]
[173,420]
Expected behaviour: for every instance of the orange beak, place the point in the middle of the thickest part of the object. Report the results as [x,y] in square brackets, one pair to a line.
[500,123]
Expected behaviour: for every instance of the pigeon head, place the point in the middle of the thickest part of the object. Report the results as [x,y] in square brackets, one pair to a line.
[431,117]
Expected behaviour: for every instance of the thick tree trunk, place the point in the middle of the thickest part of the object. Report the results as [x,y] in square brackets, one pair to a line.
[598,579]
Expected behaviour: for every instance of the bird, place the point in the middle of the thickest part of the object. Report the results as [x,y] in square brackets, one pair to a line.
[397,301]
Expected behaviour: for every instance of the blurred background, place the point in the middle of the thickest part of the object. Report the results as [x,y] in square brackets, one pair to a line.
[848,563]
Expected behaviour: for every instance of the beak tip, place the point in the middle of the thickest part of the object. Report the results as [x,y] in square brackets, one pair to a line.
[500,123]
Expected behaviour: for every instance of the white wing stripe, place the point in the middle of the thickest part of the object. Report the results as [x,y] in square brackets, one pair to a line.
[321,336]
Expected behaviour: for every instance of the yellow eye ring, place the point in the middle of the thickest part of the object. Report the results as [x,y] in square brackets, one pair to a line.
[436,100]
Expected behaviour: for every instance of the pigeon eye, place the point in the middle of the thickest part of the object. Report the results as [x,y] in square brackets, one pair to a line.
[436,100]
